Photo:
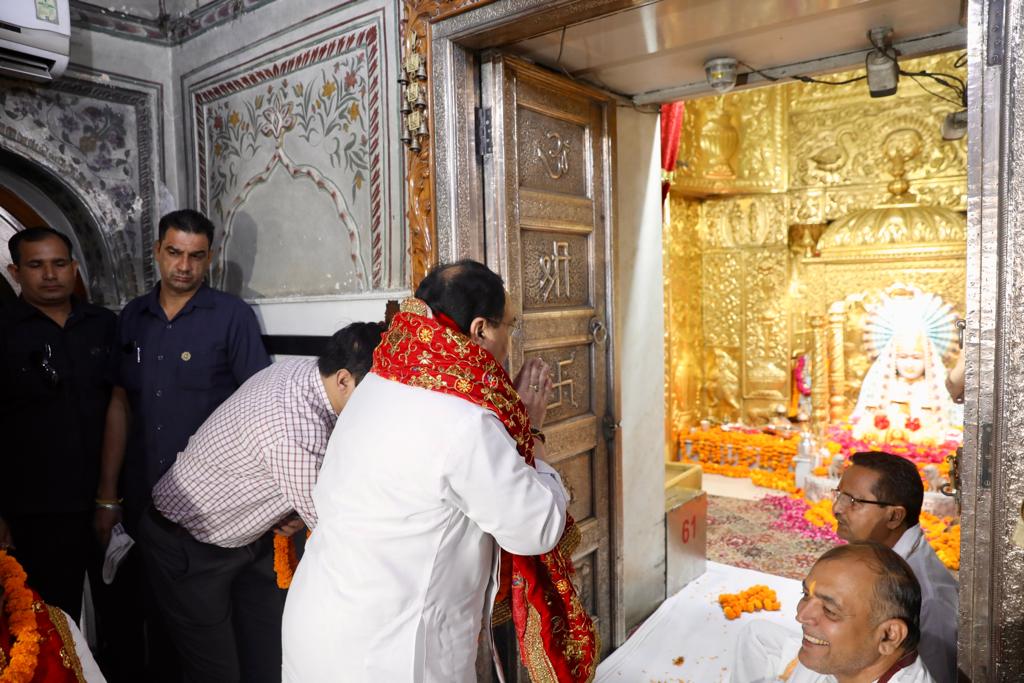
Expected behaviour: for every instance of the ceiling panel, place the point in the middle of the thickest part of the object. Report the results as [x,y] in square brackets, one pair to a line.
[664,45]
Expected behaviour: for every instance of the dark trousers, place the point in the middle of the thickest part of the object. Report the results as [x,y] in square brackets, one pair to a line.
[55,549]
[222,606]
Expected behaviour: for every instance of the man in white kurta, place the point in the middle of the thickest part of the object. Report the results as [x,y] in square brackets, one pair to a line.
[417,492]
[411,500]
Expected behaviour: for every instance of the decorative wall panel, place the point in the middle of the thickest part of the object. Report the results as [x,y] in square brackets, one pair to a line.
[733,144]
[798,157]
[293,155]
[684,343]
[98,138]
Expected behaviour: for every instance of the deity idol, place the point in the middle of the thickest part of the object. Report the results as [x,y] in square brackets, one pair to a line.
[903,397]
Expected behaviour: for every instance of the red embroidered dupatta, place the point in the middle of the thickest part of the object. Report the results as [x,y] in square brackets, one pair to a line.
[557,639]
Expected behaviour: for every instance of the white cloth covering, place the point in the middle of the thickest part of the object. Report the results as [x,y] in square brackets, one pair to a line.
[415,488]
[690,624]
[939,604]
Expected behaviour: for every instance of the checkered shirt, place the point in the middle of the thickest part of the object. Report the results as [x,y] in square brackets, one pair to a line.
[255,459]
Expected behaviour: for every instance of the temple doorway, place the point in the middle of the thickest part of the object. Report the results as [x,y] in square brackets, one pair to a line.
[761,194]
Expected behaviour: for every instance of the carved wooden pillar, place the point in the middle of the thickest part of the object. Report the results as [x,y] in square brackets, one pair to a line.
[417,17]
[836,362]
[819,381]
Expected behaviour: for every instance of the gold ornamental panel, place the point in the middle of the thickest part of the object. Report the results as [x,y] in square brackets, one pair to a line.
[579,469]
[684,329]
[556,269]
[722,298]
[751,221]
[552,153]
[766,325]
[733,144]
[570,374]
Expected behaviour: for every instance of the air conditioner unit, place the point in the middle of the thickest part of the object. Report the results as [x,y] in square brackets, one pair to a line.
[35,38]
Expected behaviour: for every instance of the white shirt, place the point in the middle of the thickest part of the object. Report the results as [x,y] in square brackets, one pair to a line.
[415,489]
[939,604]
[915,673]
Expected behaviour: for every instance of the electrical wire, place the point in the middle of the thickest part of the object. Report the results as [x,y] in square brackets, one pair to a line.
[913,77]
[803,79]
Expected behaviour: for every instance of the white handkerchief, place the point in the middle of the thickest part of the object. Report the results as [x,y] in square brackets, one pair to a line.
[120,544]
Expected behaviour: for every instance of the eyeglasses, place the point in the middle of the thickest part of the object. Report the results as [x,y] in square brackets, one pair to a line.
[42,359]
[847,500]
[515,326]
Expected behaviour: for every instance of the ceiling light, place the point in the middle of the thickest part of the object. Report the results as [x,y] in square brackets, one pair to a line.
[721,73]
[883,70]
[954,126]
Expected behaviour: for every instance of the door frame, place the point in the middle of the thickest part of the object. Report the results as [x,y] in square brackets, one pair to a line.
[456,41]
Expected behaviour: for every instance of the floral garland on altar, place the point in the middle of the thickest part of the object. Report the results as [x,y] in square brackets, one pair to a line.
[21,621]
[765,458]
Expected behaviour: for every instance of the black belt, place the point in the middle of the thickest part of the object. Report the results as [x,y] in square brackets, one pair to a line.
[163,522]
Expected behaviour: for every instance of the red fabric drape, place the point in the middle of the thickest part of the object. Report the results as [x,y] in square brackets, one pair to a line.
[671,125]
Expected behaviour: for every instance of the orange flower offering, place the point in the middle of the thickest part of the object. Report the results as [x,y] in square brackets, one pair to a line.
[943,533]
[21,620]
[753,599]
[285,560]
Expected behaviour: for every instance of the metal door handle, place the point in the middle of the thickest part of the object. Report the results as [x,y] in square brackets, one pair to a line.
[598,330]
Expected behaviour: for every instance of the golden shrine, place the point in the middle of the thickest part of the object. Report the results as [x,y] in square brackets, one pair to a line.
[815,267]
[802,220]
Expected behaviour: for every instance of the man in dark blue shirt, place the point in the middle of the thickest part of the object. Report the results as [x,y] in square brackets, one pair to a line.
[54,357]
[182,349]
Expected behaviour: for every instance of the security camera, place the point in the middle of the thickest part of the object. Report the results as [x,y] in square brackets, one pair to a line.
[721,73]
[883,70]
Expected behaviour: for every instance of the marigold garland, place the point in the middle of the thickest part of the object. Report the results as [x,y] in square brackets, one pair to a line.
[286,559]
[21,621]
[753,599]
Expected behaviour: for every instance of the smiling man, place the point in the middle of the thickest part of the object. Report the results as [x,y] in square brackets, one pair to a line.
[860,619]
[879,499]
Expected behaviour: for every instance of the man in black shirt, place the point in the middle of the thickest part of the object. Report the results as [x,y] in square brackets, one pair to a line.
[55,367]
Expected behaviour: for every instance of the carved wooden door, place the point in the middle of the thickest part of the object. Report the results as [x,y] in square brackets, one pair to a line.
[547,166]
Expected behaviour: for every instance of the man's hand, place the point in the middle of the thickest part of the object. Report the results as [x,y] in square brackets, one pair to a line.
[534,386]
[6,540]
[103,522]
[289,526]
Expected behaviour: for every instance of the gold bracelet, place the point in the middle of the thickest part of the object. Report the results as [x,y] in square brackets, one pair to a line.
[105,502]
[539,435]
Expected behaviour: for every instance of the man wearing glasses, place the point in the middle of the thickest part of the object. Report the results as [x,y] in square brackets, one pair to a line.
[54,357]
[879,499]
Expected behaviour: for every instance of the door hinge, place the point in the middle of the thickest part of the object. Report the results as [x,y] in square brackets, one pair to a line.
[996,40]
[484,145]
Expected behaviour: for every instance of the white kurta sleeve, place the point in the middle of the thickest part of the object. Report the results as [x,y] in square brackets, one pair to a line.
[521,507]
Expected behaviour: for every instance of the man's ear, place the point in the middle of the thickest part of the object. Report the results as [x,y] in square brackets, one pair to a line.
[13,270]
[893,635]
[476,328]
[345,381]
[897,515]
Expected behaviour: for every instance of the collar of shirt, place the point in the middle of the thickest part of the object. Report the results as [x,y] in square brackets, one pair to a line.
[22,310]
[203,298]
[909,542]
[322,391]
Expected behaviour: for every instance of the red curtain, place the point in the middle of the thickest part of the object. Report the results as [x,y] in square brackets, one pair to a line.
[671,125]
